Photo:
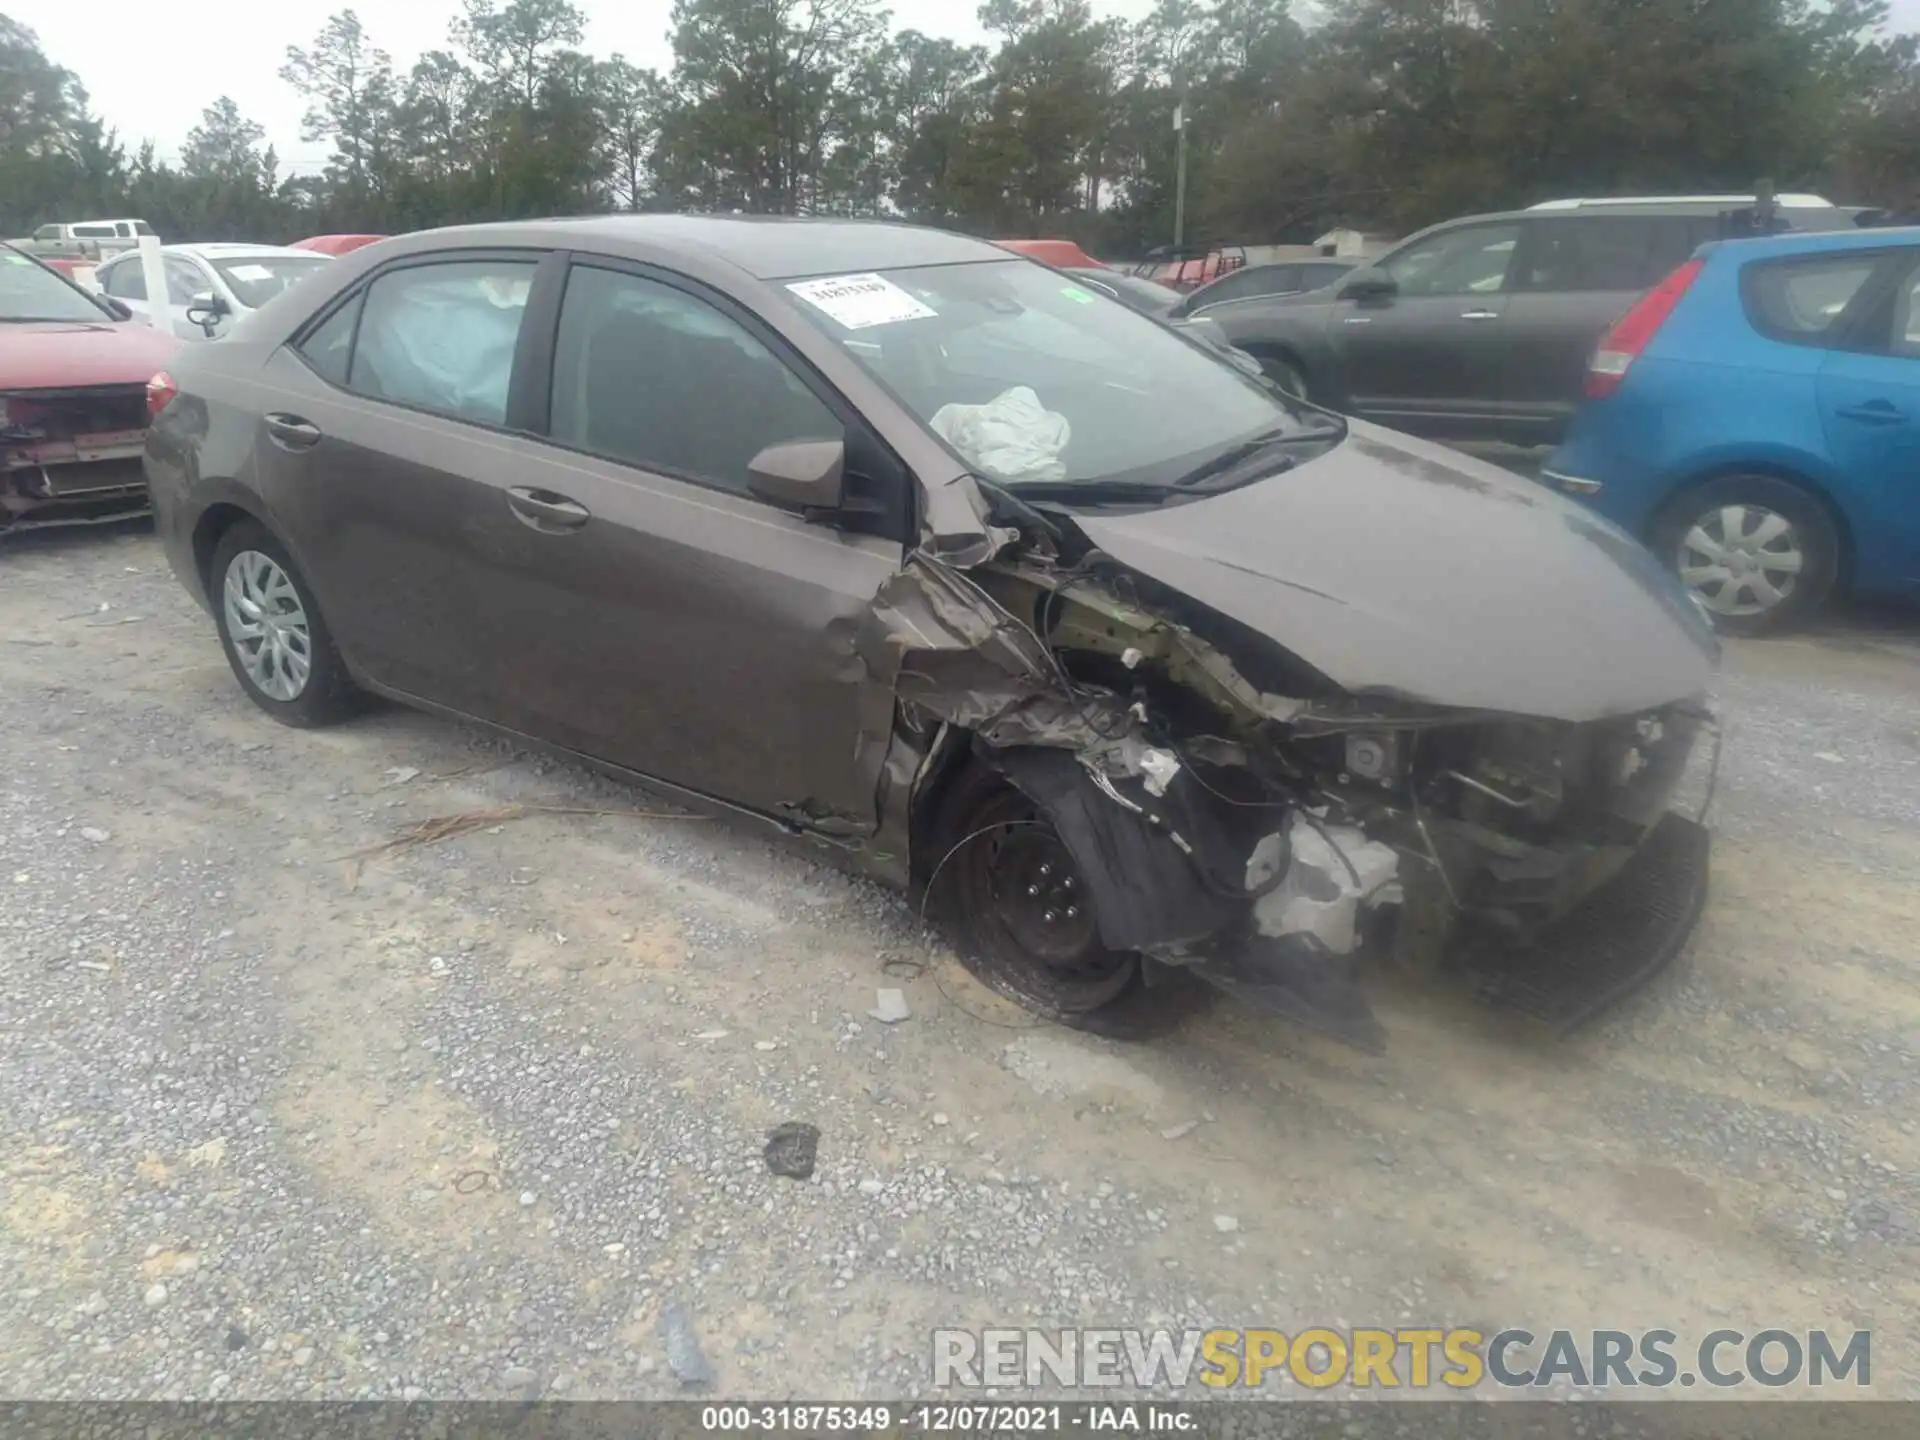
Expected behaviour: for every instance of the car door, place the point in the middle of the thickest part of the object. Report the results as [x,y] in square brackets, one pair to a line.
[1869,394]
[1428,357]
[1575,276]
[651,611]
[384,446]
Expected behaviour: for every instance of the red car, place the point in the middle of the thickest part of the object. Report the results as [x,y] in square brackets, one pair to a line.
[1061,254]
[335,244]
[74,376]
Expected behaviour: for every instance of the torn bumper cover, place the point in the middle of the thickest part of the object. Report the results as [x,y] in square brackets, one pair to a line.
[72,454]
[1265,841]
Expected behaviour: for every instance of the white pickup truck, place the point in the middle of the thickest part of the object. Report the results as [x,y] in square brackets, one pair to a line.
[85,239]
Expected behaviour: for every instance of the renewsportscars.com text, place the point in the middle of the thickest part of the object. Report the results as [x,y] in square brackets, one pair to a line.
[1415,1359]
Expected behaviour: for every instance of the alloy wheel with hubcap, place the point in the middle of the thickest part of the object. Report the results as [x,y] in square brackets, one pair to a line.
[276,639]
[1758,552]
[1741,560]
[268,625]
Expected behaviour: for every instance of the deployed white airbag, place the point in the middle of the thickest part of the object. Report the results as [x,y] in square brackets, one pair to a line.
[1011,437]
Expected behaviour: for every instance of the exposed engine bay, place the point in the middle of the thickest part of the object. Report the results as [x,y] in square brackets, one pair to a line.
[71,454]
[1235,814]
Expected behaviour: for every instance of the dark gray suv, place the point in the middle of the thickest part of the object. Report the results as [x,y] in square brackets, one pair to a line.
[1482,327]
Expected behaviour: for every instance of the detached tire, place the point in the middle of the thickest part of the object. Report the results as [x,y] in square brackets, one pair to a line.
[1761,553]
[275,637]
[1020,916]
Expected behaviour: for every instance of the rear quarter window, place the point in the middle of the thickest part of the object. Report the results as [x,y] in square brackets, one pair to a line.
[1800,300]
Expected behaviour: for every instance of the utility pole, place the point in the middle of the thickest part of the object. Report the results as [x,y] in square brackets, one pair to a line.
[1180,170]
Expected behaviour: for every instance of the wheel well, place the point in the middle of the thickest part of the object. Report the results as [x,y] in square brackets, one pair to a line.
[1843,532]
[1275,350]
[215,522]
[930,803]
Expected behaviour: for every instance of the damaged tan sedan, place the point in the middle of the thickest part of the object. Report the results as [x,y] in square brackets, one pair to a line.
[1005,592]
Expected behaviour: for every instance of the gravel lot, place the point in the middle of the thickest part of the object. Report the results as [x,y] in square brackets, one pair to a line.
[461,1119]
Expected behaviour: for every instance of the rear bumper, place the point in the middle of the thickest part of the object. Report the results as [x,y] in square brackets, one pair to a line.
[1617,939]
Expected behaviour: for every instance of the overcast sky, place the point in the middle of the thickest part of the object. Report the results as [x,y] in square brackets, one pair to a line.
[156,87]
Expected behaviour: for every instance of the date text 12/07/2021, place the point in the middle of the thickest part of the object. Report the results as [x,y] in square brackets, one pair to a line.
[946,1419]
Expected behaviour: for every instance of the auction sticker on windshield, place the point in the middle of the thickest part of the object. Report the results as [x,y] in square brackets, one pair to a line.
[859,302]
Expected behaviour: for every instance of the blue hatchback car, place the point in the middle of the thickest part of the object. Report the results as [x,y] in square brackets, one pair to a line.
[1755,418]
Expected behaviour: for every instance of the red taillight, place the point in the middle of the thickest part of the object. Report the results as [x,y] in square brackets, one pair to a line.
[160,393]
[1622,345]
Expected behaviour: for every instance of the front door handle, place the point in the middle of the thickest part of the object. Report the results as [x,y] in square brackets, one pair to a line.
[1873,412]
[1479,314]
[545,511]
[290,432]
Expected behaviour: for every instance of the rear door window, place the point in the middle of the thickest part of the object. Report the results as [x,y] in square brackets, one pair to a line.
[441,337]
[1903,338]
[329,347]
[1800,300]
[1244,284]
[1312,277]
[1591,254]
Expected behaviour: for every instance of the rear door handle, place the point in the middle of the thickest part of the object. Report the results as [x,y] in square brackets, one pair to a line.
[546,511]
[290,432]
[1479,314]
[1873,412]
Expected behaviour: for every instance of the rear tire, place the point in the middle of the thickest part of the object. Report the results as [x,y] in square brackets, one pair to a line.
[1012,897]
[1759,552]
[276,639]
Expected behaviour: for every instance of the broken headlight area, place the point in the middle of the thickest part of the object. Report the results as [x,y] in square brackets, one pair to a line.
[1232,814]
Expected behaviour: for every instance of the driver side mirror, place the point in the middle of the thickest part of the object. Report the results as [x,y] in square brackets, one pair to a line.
[1369,285]
[205,309]
[800,475]
[118,309]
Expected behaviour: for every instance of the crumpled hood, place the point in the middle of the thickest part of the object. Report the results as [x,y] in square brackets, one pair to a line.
[1398,567]
[71,355]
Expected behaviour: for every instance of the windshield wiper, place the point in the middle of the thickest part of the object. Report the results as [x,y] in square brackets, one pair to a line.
[1092,492]
[1235,456]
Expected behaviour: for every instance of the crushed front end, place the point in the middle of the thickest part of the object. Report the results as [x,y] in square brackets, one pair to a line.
[72,455]
[1235,815]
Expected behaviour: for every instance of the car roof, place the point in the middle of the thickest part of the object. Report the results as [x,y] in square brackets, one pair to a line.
[230,250]
[216,250]
[767,247]
[1813,242]
[1638,202]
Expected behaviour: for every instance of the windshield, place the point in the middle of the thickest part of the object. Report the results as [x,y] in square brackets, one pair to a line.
[1031,377]
[32,292]
[256,279]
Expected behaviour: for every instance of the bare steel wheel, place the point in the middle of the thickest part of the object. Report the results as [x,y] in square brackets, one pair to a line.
[1026,924]
[275,637]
